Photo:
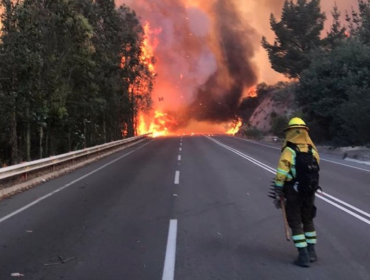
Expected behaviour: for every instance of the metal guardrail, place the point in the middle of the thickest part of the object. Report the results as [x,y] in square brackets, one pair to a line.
[24,169]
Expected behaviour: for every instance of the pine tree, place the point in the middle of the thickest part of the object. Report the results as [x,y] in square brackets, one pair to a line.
[297,34]
[337,31]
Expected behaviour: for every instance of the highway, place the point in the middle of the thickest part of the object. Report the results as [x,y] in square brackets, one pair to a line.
[191,208]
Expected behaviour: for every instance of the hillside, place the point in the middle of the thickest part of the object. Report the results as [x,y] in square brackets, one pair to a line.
[272,103]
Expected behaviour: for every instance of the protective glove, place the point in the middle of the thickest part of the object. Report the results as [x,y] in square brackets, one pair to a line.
[276,193]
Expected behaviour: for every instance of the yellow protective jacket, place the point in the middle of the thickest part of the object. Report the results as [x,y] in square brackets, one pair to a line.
[286,166]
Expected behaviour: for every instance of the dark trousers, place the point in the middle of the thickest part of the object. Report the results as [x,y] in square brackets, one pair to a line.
[301,211]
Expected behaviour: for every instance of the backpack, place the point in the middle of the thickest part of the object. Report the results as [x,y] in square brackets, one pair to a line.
[307,170]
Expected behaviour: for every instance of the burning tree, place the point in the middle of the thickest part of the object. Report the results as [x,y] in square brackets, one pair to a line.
[141,84]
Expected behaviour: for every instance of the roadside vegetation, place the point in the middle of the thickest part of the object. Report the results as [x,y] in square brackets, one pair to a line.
[330,75]
[72,75]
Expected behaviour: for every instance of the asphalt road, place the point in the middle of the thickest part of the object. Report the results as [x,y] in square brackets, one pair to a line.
[182,208]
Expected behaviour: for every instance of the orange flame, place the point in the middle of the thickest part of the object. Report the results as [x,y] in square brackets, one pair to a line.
[150,43]
[157,122]
[159,125]
[235,127]
[250,92]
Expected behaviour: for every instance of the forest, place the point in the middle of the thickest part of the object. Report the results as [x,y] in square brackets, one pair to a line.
[73,74]
[329,75]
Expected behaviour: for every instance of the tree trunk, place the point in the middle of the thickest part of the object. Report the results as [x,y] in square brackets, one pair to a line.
[28,135]
[104,130]
[85,134]
[40,144]
[69,140]
[47,140]
[130,126]
[13,138]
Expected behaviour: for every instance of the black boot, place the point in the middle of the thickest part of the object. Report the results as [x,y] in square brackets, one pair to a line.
[303,258]
[311,252]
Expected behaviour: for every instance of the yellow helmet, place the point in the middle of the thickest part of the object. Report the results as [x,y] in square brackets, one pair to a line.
[296,123]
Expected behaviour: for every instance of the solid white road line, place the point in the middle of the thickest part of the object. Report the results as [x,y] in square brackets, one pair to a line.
[170,260]
[344,209]
[259,144]
[327,160]
[346,165]
[179,158]
[69,184]
[324,196]
[177,177]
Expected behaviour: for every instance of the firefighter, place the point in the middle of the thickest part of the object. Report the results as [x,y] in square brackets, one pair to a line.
[297,181]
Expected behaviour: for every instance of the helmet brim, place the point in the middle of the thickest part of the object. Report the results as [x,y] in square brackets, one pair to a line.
[296,126]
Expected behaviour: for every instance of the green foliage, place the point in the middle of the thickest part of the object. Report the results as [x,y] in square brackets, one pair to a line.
[334,93]
[283,93]
[359,22]
[278,124]
[333,74]
[297,34]
[262,90]
[253,133]
[273,115]
[337,31]
[62,82]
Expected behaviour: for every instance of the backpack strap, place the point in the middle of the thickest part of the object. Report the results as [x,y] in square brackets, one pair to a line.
[310,148]
[296,149]
[292,146]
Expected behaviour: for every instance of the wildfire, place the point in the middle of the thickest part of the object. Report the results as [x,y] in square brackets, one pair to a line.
[159,126]
[252,93]
[150,43]
[158,122]
[235,126]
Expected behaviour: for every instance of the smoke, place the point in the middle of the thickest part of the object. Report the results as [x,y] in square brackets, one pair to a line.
[218,99]
[204,56]
[209,53]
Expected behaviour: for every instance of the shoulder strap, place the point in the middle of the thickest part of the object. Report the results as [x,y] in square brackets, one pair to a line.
[310,148]
[296,149]
[293,147]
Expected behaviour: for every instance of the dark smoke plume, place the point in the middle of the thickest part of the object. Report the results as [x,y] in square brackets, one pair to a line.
[216,101]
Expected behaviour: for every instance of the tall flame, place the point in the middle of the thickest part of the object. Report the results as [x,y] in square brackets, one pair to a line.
[150,43]
[235,127]
[156,124]
[159,125]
